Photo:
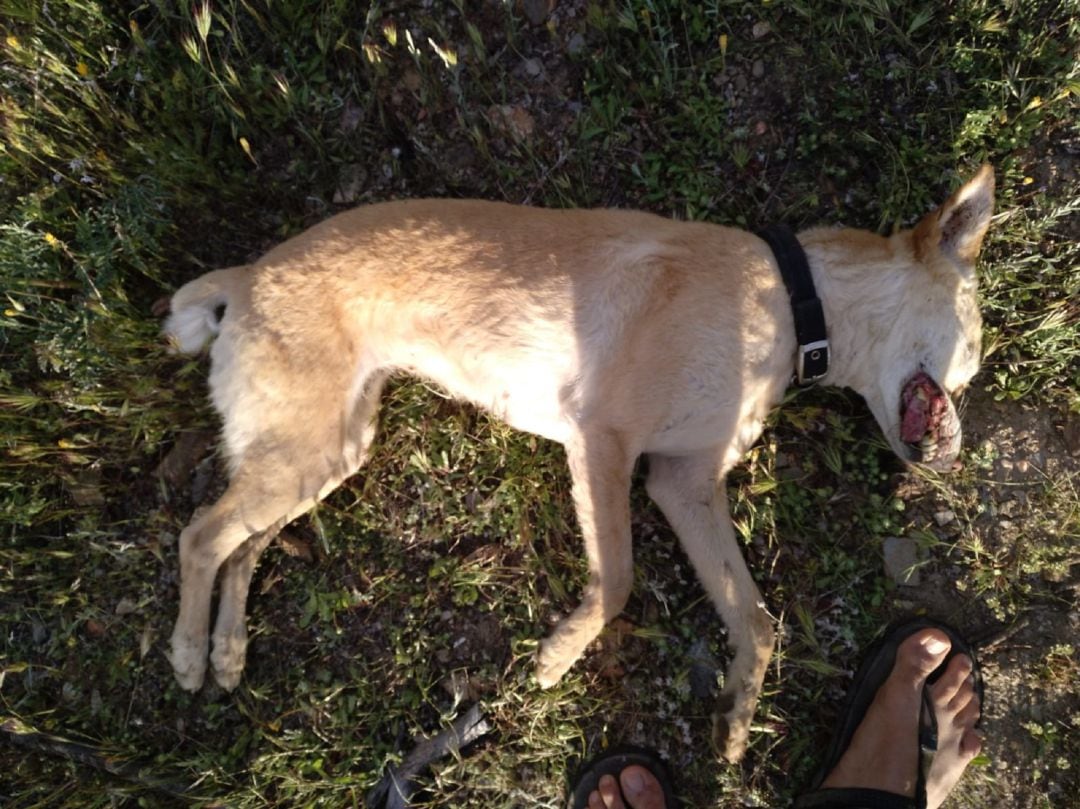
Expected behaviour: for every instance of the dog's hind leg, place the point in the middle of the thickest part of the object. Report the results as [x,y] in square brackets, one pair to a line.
[695,504]
[251,504]
[600,465]
[230,636]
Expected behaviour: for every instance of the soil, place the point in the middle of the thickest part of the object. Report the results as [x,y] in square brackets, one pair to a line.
[1029,685]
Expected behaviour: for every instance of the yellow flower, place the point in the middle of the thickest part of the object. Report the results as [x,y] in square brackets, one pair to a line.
[12,41]
[51,240]
[83,69]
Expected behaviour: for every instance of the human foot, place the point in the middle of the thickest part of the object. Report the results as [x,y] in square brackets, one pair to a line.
[884,754]
[623,777]
[639,787]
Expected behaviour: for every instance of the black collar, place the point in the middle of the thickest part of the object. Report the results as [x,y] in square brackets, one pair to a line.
[812,361]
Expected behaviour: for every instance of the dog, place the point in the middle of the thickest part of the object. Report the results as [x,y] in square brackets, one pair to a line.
[616,333]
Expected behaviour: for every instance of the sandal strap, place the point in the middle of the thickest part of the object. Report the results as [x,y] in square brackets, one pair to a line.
[854,799]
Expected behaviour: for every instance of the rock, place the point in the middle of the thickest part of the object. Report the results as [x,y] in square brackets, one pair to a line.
[758,70]
[944,517]
[575,46]
[901,560]
[532,67]
[761,29]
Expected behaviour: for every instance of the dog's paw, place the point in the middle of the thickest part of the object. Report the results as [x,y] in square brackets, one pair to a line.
[550,665]
[731,729]
[188,659]
[227,659]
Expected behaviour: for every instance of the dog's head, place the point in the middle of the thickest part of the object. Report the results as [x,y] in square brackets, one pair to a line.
[927,347]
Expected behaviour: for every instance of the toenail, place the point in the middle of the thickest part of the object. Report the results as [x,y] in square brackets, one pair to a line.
[634,781]
[935,646]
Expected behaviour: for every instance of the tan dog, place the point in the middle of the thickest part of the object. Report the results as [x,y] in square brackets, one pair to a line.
[612,332]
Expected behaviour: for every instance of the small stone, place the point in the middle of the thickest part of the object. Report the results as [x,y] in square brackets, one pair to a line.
[944,517]
[126,606]
[758,70]
[575,46]
[1022,466]
[901,560]
[761,29]
[533,67]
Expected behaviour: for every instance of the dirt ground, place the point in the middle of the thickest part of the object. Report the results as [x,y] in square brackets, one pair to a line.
[1030,667]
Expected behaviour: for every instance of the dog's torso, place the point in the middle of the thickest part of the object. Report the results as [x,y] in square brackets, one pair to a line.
[542,317]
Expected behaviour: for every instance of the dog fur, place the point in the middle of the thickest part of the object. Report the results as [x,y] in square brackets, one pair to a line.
[615,333]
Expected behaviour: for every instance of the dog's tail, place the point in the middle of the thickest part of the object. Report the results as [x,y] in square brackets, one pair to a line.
[193,311]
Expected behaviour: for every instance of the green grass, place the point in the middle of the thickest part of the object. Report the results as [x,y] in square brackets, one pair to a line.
[144,143]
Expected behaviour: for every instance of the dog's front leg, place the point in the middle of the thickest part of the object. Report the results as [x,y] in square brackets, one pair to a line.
[693,500]
[600,465]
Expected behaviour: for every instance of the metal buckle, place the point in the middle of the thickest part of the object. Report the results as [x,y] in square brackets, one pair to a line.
[813,362]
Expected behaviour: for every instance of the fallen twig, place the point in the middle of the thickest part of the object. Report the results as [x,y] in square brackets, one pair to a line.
[18,733]
[396,788]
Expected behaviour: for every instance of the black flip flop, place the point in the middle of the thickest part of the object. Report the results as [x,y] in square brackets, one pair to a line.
[876,667]
[614,761]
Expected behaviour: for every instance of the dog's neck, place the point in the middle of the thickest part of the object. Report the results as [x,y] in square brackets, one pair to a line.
[855,294]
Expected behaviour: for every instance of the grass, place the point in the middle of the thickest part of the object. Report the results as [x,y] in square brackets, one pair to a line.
[144,143]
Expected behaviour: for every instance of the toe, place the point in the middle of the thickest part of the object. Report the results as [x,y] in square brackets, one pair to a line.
[595,801]
[970,744]
[609,791]
[918,656]
[967,714]
[641,788]
[952,682]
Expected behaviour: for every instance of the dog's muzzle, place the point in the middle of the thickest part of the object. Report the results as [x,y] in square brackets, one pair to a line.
[929,426]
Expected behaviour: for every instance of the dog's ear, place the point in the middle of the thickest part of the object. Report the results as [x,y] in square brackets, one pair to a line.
[957,228]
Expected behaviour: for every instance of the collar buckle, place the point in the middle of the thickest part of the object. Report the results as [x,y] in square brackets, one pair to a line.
[812,363]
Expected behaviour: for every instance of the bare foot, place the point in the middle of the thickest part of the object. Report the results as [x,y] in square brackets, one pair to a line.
[883,753]
[640,787]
